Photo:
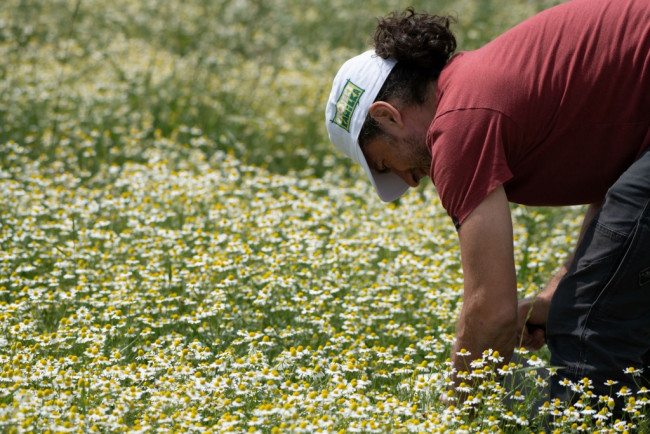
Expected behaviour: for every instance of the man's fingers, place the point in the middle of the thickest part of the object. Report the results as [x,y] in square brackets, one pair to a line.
[532,337]
[535,339]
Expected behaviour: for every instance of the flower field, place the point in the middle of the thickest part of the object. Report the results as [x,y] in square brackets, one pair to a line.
[182,251]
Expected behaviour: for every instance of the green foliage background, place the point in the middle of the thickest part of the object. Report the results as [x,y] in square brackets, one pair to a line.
[251,75]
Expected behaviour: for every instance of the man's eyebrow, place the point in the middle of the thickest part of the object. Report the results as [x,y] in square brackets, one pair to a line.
[373,165]
[370,162]
[376,168]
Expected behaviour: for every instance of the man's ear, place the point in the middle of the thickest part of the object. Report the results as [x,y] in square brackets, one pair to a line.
[386,115]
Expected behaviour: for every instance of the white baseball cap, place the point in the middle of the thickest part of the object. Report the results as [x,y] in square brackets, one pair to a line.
[354,89]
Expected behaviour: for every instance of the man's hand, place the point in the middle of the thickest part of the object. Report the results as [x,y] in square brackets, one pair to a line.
[532,313]
[532,322]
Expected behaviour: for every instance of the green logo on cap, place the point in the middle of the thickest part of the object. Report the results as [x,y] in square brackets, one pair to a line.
[346,104]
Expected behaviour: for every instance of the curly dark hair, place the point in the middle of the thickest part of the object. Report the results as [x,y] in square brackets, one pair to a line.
[422,44]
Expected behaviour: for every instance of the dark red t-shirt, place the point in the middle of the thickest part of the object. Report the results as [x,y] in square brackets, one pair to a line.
[555,109]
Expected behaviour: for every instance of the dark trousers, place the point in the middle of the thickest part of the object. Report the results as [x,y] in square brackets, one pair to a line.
[599,319]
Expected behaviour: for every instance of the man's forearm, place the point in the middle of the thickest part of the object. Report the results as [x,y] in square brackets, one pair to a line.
[547,293]
[534,310]
[489,315]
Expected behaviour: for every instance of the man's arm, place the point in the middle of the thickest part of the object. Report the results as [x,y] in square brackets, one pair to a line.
[534,310]
[488,319]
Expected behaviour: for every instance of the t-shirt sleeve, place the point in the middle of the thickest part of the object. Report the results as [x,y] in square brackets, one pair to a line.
[469,151]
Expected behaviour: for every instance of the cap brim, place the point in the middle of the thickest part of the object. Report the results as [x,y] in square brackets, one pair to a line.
[388,186]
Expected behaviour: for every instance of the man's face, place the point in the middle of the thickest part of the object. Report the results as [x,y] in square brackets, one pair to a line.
[409,157]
